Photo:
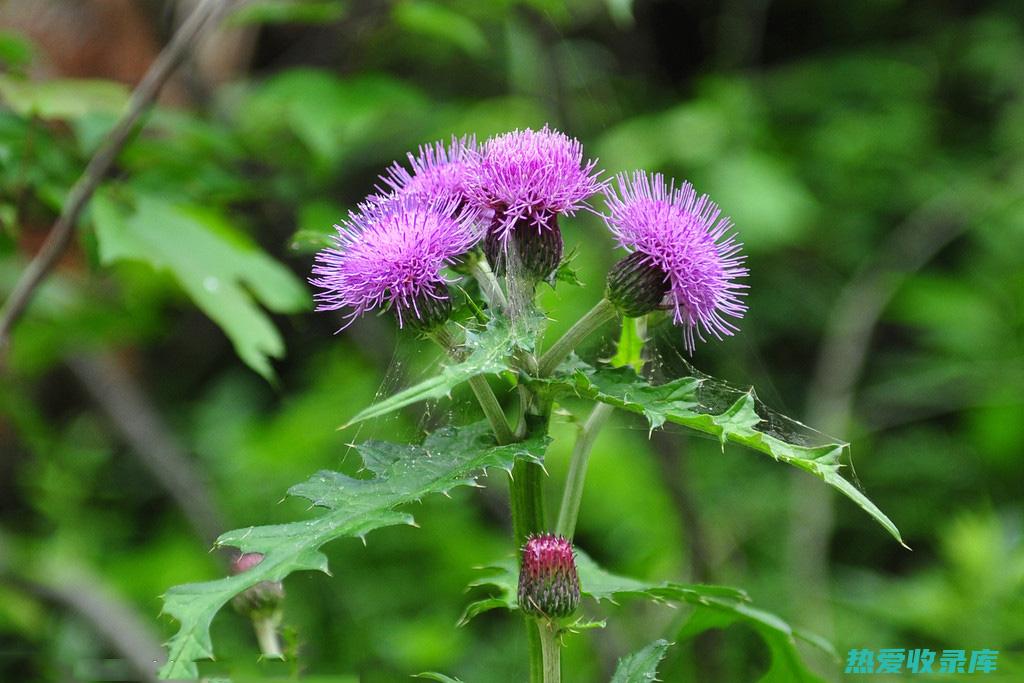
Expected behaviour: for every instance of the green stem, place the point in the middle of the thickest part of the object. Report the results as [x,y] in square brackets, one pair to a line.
[266,635]
[597,316]
[482,273]
[573,493]
[550,650]
[492,409]
[481,389]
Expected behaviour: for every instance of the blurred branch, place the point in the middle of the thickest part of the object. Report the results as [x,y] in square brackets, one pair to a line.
[838,371]
[113,619]
[139,423]
[98,167]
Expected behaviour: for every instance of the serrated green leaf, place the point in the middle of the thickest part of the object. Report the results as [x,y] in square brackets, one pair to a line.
[642,665]
[488,352]
[595,583]
[404,473]
[707,405]
[217,266]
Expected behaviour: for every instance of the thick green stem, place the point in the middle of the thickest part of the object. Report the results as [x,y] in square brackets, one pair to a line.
[266,635]
[492,409]
[597,316]
[482,273]
[573,493]
[550,650]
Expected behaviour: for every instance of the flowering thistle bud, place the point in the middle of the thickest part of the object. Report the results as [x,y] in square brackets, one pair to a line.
[548,583]
[262,599]
[525,179]
[391,253]
[679,237]
[636,286]
[438,170]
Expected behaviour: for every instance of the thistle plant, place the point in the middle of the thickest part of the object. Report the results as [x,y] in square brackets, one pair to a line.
[462,214]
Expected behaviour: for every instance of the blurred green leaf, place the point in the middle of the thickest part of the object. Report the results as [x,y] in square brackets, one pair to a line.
[63,99]
[316,227]
[220,269]
[15,50]
[434,676]
[786,664]
[441,23]
[712,407]
[642,665]
[287,12]
[404,473]
[333,117]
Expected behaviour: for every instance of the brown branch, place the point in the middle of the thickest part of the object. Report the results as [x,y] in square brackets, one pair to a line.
[98,167]
[113,619]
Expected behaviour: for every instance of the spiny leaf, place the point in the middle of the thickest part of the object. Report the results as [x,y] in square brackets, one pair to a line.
[642,665]
[448,458]
[712,407]
[486,353]
[595,583]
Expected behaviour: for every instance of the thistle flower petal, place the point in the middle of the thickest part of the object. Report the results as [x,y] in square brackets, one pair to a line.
[683,236]
[528,176]
[390,253]
[438,170]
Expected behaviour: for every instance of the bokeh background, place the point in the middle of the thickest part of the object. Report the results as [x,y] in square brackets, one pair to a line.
[170,381]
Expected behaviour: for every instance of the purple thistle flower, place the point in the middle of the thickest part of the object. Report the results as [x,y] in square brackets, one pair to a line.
[678,243]
[548,583]
[531,176]
[390,253]
[438,170]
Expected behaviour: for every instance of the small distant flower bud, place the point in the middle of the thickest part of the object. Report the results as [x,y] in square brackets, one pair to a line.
[636,285]
[548,583]
[539,248]
[263,598]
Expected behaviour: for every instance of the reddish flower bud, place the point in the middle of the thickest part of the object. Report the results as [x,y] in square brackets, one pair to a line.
[263,598]
[548,583]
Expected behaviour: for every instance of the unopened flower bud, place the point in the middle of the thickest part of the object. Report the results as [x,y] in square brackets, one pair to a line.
[263,598]
[548,583]
[539,248]
[636,285]
[428,310]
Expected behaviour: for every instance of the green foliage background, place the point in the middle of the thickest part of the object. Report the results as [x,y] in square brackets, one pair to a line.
[872,157]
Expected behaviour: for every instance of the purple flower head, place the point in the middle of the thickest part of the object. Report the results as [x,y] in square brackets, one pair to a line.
[548,583]
[681,235]
[390,253]
[437,171]
[531,176]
